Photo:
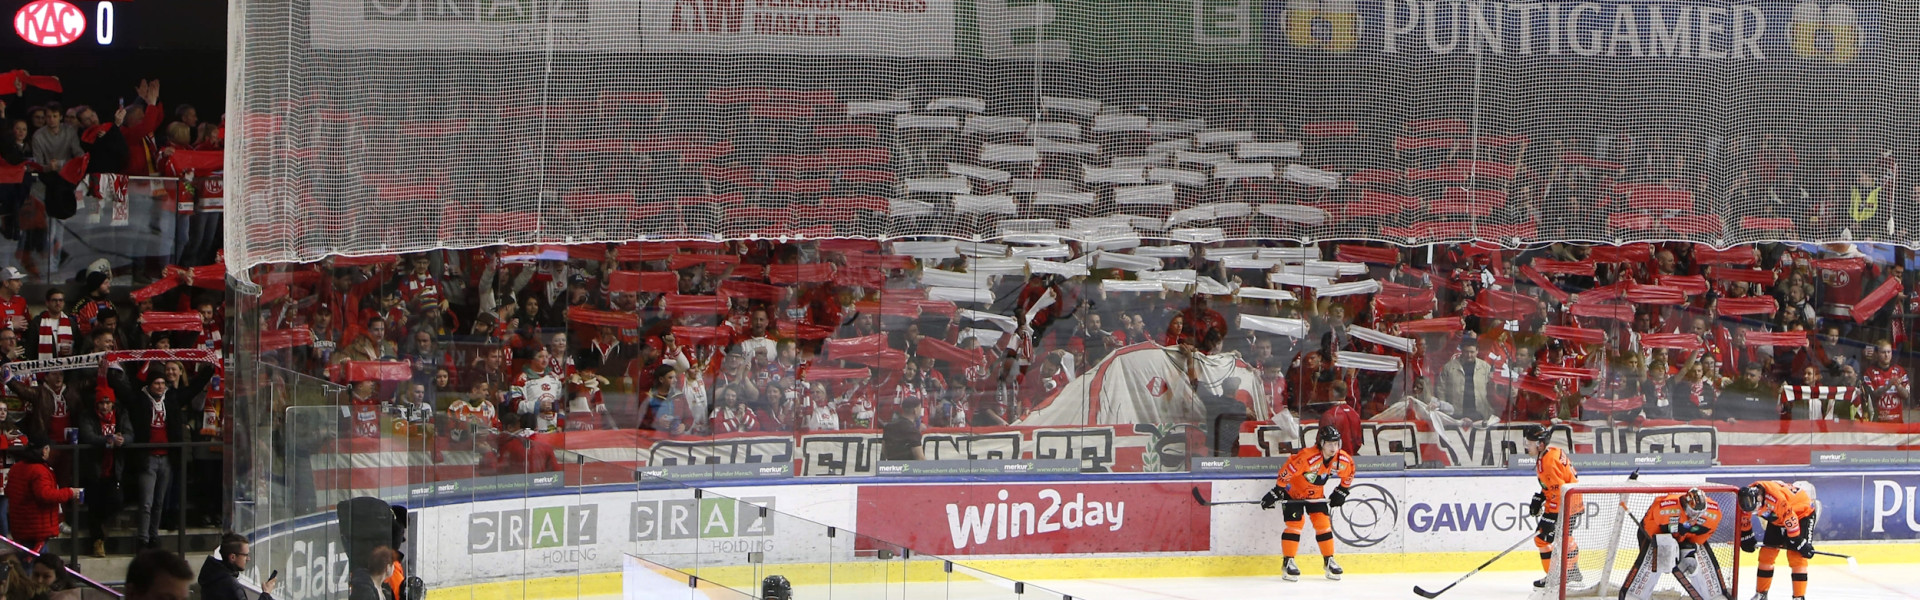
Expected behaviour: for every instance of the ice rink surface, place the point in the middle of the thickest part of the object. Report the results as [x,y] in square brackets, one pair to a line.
[1871,582]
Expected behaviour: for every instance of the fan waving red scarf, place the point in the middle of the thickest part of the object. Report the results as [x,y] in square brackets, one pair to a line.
[1396,302]
[681,304]
[281,339]
[1367,254]
[802,331]
[1582,268]
[797,274]
[751,290]
[1785,338]
[1671,341]
[1656,294]
[1631,253]
[941,350]
[1617,311]
[1439,325]
[362,370]
[1760,276]
[1607,405]
[1874,301]
[169,321]
[1757,305]
[1738,255]
[702,336]
[605,318]
[816,373]
[1575,334]
[1545,284]
[1693,285]
[1558,372]
[1495,304]
[18,78]
[633,282]
[845,347]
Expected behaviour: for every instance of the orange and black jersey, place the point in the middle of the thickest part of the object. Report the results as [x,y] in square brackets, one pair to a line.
[1310,462]
[1782,505]
[1668,516]
[1555,471]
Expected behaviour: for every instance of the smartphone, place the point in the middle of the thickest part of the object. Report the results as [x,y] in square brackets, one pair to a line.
[275,575]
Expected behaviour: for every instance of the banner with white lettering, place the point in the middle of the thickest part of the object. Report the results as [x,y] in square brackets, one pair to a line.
[1067,518]
[804,27]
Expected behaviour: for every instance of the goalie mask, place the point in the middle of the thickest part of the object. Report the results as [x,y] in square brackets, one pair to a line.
[1694,503]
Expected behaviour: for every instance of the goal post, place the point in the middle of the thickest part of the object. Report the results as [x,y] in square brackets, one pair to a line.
[1594,553]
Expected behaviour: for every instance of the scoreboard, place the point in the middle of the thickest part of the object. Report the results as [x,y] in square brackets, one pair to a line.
[78,25]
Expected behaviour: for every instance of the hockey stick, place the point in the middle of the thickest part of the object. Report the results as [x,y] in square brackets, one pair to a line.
[1853,564]
[1205,502]
[1503,553]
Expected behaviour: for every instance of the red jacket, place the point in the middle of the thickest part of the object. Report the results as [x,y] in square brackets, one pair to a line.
[519,456]
[1344,419]
[33,501]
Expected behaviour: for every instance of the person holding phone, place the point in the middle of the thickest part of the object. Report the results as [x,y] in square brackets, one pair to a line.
[220,576]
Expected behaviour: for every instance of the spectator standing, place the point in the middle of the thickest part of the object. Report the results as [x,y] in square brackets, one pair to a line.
[1463,383]
[1888,385]
[1749,398]
[157,414]
[13,306]
[16,160]
[49,405]
[11,440]
[54,327]
[367,580]
[900,437]
[102,430]
[220,576]
[137,123]
[33,497]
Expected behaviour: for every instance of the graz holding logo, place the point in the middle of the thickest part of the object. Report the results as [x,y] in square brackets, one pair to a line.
[560,534]
[714,519]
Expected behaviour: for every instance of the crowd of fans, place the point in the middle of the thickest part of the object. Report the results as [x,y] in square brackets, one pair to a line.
[700,338]
[55,157]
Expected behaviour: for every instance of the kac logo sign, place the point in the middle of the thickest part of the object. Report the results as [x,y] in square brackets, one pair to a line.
[49,23]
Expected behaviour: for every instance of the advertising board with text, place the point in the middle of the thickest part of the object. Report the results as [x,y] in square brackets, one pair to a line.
[1074,518]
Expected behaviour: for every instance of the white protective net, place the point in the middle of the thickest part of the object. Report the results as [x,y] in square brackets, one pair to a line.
[1607,541]
[376,126]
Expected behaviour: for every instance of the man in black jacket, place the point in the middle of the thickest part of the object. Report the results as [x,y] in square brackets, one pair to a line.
[219,577]
[157,412]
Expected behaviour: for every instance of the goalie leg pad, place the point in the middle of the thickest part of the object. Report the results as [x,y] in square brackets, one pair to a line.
[1642,577]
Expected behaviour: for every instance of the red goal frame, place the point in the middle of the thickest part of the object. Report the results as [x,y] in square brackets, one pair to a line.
[1729,516]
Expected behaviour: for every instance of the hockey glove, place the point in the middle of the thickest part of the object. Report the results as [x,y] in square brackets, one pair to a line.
[1747,542]
[1338,498]
[1274,496]
[1546,529]
[1697,529]
[1315,478]
[1539,501]
[1805,547]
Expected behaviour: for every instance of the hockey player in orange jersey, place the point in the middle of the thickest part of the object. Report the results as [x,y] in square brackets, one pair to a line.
[1313,481]
[1554,470]
[1790,511]
[1673,539]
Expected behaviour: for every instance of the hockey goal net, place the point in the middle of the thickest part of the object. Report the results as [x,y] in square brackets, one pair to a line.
[1597,550]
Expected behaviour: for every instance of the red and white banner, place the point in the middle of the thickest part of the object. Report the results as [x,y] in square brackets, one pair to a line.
[1064,518]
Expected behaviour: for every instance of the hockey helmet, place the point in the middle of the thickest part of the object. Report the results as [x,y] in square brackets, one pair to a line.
[1750,498]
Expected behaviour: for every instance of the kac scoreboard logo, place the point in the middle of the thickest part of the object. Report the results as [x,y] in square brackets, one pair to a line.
[55,23]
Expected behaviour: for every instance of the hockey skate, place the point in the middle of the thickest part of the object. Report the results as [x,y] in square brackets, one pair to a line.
[1759,596]
[1543,581]
[1333,569]
[1291,571]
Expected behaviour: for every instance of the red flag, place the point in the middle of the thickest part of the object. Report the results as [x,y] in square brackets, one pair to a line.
[682,304]
[1693,285]
[1630,253]
[1435,325]
[1656,294]
[1757,305]
[1784,338]
[1737,255]
[1562,267]
[169,321]
[1672,341]
[1575,334]
[1874,301]
[281,339]
[606,318]
[940,350]
[1760,276]
[1367,254]
[1618,311]
[844,347]
[362,370]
